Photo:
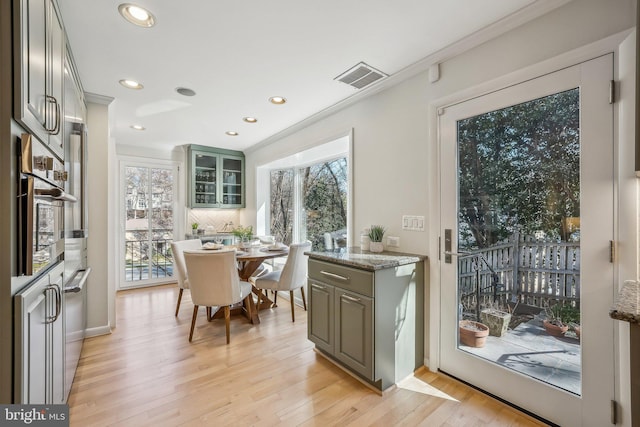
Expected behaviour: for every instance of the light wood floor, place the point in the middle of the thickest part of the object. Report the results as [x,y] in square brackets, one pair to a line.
[147,373]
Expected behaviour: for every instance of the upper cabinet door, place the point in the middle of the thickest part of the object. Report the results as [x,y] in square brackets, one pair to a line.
[40,44]
[217,177]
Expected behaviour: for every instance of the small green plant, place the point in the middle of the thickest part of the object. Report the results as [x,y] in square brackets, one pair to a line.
[243,233]
[376,233]
[562,315]
[194,226]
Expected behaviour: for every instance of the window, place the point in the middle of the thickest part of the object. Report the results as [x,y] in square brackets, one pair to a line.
[307,195]
[321,201]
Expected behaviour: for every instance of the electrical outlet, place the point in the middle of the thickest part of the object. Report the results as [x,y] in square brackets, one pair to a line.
[393,242]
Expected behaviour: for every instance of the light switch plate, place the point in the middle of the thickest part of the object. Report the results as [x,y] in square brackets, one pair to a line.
[413,222]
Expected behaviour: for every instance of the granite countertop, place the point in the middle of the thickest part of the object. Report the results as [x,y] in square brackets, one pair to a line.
[627,306]
[365,260]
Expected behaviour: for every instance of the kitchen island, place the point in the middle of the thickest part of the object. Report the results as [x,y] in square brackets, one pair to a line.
[366,312]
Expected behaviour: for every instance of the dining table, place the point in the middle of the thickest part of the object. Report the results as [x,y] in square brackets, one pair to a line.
[249,260]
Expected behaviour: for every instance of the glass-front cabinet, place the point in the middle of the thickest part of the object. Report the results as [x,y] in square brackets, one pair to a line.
[216,177]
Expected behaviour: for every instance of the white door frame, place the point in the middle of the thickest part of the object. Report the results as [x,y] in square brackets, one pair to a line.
[585,53]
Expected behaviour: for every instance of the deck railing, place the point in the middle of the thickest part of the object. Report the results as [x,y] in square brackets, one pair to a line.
[523,271]
[148,260]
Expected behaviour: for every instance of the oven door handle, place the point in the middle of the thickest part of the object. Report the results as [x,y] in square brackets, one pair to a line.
[54,193]
[81,282]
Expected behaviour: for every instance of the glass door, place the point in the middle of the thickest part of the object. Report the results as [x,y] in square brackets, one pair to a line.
[232,181]
[527,220]
[148,224]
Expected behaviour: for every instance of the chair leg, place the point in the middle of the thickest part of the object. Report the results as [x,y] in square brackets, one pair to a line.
[209,314]
[304,301]
[193,321]
[227,320]
[179,299]
[293,314]
[275,298]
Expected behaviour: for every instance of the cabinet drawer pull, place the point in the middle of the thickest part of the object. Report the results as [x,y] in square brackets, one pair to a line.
[334,276]
[313,285]
[348,298]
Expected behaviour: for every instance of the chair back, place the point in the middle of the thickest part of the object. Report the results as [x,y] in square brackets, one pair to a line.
[294,272]
[177,249]
[213,278]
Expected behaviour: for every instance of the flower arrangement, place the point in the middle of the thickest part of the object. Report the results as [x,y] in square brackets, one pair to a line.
[243,233]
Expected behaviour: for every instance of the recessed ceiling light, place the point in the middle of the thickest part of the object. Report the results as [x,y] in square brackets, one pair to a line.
[250,119]
[185,91]
[278,100]
[138,127]
[137,15]
[231,133]
[131,84]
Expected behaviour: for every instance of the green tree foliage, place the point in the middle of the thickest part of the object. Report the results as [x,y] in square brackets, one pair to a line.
[519,167]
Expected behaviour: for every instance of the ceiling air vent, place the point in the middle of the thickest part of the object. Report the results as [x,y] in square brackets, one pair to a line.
[361,75]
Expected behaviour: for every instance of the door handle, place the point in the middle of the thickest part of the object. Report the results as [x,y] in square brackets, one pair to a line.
[447,246]
[352,299]
[334,276]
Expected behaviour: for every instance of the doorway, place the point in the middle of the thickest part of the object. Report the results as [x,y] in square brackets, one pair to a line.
[527,222]
[148,218]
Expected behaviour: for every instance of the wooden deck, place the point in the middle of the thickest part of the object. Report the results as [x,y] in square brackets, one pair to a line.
[148,374]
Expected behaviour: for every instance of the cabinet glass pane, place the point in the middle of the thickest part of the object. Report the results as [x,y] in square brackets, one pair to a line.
[205,179]
[232,181]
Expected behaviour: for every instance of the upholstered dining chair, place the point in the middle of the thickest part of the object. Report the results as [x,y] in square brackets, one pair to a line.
[177,249]
[292,276]
[214,281]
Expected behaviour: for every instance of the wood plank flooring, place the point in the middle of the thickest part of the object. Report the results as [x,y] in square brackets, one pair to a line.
[146,373]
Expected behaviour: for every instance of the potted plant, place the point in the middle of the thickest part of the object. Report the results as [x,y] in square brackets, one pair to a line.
[559,317]
[473,334]
[376,233]
[194,228]
[496,319]
[244,235]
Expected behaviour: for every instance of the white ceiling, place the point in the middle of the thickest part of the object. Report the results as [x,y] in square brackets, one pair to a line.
[237,54]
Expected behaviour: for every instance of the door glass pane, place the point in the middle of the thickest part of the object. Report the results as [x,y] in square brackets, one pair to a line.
[148,223]
[282,210]
[324,203]
[519,238]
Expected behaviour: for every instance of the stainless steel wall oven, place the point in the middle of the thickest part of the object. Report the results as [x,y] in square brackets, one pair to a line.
[40,207]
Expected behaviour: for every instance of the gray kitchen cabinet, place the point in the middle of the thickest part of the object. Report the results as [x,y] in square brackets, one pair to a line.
[216,177]
[40,341]
[321,315]
[354,331]
[370,319]
[39,84]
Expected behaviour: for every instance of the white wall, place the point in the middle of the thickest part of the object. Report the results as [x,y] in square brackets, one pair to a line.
[394,137]
[101,182]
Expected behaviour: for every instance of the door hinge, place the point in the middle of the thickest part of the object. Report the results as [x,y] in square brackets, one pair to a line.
[612,91]
[439,248]
[614,412]
[612,250]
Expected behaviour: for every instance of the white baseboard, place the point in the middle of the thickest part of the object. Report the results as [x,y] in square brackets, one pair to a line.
[100,330]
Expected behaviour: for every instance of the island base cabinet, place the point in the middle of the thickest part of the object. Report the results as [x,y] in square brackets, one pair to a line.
[370,323]
[353,332]
[321,319]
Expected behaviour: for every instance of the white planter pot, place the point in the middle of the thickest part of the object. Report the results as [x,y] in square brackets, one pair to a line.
[376,247]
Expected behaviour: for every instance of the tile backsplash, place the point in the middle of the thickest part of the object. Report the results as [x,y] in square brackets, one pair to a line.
[216,218]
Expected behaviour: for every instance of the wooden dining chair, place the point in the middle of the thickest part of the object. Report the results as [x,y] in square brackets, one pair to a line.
[292,276]
[214,281]
[177,249]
